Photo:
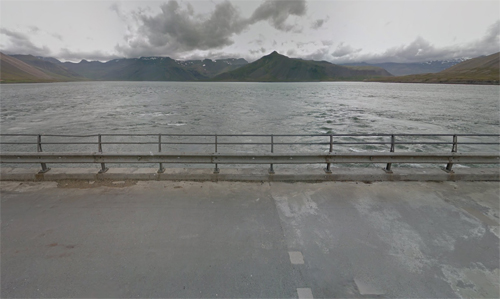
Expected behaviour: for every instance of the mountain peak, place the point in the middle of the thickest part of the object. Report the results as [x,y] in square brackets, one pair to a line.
[274,54]
[275,67]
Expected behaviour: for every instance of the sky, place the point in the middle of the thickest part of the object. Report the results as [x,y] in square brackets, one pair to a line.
[338,31]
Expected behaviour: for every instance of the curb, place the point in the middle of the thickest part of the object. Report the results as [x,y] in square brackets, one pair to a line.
[287,175]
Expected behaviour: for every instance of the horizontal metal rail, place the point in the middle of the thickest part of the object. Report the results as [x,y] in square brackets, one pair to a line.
[257,143]
[256,135]
[256,158]
[215,141]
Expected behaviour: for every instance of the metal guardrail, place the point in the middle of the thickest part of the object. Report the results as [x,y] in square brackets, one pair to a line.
[328,157]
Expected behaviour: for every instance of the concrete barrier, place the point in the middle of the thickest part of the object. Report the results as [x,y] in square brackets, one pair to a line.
[248,174]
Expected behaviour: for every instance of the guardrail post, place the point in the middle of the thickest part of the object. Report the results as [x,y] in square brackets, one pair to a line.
[39,149]
[271,169]
[103,166]
[161,169]
[216,169]
[327,169]
[388,167]
[453,150]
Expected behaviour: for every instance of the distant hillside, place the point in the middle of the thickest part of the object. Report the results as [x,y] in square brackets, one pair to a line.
[50,59]
[15,70]
[482,63]
[279,68]
[52,67]
[480,70]
[403,69]
[271,68]
[210,68]
[153,69]
[135,69]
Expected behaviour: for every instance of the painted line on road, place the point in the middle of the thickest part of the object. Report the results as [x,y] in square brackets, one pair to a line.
[305,293]
[365,288]
[296,257]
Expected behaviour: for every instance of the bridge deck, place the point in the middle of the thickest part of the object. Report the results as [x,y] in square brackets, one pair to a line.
[262,240]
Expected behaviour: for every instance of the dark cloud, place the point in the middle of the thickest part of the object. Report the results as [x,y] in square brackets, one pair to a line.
[14,34]
[319,23]
[276,12]
[20,43]
[178,29]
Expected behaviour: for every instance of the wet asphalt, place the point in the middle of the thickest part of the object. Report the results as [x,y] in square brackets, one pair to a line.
[167,239]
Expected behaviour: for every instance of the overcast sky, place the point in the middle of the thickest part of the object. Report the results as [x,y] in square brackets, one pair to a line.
[335,31]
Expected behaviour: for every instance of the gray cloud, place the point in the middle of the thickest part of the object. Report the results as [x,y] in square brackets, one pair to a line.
[214,55]
[177,28]
[276,12]
[420,50]
[258,51]
[319,23]
[33,29]
[21,44]
[320,54]
[259,41]
[343,50]
[116,8]
[300,45]
[14,34]
[76,56]
[327,42]
[57,36]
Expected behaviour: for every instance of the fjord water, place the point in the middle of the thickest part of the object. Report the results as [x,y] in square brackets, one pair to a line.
[249,108]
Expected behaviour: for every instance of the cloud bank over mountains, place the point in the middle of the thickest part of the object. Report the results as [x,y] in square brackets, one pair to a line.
[422,50]
[179,29]
[21,43]
[230,29]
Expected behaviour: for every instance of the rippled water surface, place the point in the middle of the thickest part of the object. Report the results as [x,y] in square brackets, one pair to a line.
[239,108]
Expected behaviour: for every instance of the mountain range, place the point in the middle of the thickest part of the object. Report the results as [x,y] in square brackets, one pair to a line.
[136,69]
[479,70]
[270,68]
[402,69]
[273,67]
[279,68]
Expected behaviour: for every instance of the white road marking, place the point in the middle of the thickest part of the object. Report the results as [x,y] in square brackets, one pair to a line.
[296,257]
[367,289]
[305,293]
